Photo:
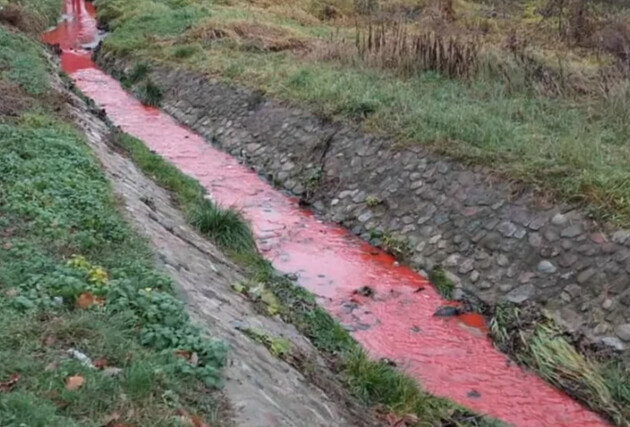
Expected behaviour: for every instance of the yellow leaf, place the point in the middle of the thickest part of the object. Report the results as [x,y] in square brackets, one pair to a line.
[74,382]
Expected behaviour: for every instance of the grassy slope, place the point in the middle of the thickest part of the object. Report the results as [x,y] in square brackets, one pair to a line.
[575,149]
[63,244]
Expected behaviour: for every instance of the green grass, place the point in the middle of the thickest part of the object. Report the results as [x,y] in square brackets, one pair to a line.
[22,62]
[62,240]
[441,282]
[575,150]
[149,93]
[537,343]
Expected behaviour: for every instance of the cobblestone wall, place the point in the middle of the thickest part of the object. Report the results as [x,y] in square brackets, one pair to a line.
[493,242]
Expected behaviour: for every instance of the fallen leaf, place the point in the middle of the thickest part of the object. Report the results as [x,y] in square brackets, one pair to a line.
[85,300]
[8,385]
[100,363]
[7,245]
[74,382]
[187,419]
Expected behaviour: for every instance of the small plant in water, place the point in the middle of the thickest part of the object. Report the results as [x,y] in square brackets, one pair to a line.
[150,94]
[441,282]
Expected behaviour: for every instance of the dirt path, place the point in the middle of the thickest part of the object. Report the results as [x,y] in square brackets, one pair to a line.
[262,390]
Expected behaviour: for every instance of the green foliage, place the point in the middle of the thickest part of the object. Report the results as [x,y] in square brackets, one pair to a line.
[441,282]
[22,62]
[138,73]
[225,227]
[62,243]
[278,346]
[149,93]
[48,10]
[372,201]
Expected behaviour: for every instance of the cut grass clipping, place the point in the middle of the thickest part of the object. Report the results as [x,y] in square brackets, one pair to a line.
[374,382]
[536,342]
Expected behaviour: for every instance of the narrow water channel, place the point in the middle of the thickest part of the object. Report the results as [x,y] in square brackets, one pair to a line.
[450,357]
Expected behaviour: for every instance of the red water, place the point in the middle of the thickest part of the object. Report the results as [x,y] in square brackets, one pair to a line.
[450,357]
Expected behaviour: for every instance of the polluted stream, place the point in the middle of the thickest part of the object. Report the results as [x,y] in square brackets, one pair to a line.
[449,356]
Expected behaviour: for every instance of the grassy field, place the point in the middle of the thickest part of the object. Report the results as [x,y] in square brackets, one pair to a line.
[531,99]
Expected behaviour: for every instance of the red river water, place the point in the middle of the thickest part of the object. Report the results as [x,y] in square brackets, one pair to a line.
[450,357]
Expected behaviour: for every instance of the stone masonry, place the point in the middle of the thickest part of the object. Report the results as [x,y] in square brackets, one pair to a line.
[434,211]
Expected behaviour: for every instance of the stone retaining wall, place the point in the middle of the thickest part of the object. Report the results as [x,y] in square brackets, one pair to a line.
[493,243]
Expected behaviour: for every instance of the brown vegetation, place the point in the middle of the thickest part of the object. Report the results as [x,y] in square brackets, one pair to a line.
[15,16]
[248,35]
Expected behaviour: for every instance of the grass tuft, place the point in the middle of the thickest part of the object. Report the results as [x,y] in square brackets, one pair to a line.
[149,93]
[441,282]
[225,227]
[537,343]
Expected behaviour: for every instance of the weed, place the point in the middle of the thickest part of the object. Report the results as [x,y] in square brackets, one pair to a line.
[138,73]
[149,94]
[395,245]
[536,342]
[225,227]
[372,201]
[311,181]
[183,52]
[279,347]
[441,282]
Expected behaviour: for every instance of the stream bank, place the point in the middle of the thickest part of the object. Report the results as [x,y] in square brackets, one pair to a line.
[393,320]
[495,244]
